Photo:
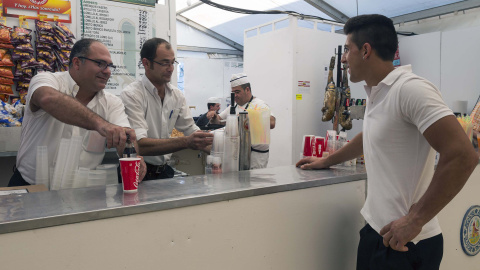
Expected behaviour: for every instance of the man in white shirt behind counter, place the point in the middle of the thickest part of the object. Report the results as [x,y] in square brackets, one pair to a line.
[73,103]
[245,99]
[154,107]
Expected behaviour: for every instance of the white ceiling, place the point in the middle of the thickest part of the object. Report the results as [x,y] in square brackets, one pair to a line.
[232,25]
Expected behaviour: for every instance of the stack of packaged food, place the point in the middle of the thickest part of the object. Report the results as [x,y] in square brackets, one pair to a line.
[24,60]
[6,63]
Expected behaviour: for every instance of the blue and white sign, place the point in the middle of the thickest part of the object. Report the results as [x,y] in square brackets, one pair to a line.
[470,231]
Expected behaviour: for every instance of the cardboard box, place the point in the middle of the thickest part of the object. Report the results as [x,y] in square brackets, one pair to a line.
[10,138]
[22,189]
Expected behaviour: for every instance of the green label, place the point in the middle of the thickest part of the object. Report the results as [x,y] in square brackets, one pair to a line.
[148,3]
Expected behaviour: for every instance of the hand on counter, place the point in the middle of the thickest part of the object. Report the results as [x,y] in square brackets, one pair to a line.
[312,163]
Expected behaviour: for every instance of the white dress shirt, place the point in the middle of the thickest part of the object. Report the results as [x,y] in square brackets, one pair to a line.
[153,119]
[41,129]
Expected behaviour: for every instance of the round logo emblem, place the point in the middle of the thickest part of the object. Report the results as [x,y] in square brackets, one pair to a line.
[470,231]
[39,2]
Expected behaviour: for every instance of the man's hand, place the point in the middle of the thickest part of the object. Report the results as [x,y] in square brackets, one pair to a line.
[211,115]
[143,169]
[115,135]
[199,140]
[311,163]
[399,232]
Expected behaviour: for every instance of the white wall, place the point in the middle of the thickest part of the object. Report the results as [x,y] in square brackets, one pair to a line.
[423,53]
[449,60]
[269,63]
[460,71]
[206,78]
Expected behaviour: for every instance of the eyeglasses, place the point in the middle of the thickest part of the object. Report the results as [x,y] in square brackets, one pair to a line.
[166,64]
[101,64]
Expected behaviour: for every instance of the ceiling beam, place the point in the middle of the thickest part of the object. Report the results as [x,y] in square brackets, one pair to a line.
[185,9]
[433,12]
[329,10]
[210,33]
[208,50]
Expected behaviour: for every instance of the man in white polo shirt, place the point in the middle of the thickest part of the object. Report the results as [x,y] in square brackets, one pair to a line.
[405,121]
[245,99]
[72,103]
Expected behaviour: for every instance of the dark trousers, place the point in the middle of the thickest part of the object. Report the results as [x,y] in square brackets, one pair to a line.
[372,254]
[17,180]
[158,172]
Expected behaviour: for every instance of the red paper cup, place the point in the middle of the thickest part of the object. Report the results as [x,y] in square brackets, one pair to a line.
[130,168]
[308,145]
[319,146]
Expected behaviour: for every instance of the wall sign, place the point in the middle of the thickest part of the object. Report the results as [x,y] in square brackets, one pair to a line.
[470,231]
[40,6]
[123,28]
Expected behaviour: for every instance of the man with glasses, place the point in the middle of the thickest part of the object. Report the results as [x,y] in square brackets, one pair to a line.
[154,107]
[73,103]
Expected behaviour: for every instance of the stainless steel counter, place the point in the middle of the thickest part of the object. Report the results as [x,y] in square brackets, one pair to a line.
[20,212]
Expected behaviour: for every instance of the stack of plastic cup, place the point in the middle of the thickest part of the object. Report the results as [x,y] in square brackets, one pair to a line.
[218,143]
[71,162]
[96,178]
[111,170]
[41,170]
[81,177]
[60,161]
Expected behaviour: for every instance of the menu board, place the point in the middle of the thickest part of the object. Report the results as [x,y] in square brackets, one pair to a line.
[123,28]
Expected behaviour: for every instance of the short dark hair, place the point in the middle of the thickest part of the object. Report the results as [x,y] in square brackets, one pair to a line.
[245,85]
[149,48]
[376,30]
[210,105]
[81,48]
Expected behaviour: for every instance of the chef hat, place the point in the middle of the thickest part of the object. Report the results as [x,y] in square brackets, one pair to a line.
[238,79]
[213,100]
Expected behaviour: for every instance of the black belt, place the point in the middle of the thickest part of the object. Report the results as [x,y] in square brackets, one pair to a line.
[260,151]
[155,168]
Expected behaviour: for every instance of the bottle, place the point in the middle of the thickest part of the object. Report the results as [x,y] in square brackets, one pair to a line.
[231,142]
[129,150]
[245,145]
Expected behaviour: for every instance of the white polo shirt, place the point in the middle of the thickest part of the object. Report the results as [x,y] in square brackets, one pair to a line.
[41,129]
[398,159]
[153,119]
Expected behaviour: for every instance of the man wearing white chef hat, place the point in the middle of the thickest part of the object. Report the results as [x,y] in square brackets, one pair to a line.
[213,105]
[245,99]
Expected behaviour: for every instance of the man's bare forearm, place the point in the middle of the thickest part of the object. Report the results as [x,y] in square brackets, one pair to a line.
[66,109]
[156,147]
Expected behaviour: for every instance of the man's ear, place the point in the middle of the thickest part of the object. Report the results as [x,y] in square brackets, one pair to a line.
[76,63]
[146,63]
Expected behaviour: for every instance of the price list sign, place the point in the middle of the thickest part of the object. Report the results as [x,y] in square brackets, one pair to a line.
[123,28]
